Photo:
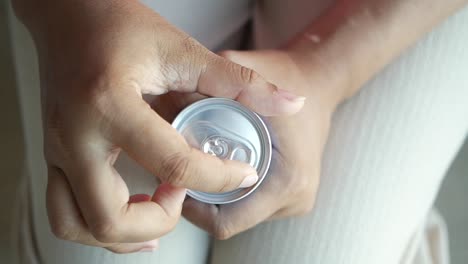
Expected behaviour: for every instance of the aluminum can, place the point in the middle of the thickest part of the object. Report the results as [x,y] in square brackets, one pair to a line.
[226,129]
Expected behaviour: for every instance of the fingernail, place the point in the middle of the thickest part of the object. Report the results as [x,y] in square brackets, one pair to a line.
[289,96]
[147,249]
[249,181]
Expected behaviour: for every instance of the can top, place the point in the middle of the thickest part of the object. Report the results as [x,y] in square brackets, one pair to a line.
[226,129]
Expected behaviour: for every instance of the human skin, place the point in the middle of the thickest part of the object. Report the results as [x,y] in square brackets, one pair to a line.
[357,39]
[328,62]
[96,60]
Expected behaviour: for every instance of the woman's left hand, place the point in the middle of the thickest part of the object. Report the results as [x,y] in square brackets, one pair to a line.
[298,143]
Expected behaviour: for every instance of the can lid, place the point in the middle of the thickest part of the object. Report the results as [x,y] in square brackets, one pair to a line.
[226,129]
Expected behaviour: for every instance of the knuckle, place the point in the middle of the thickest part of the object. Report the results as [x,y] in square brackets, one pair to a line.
[248,76]
[174,169]
[181,73]
[64,230]
[105,231]
[189,44]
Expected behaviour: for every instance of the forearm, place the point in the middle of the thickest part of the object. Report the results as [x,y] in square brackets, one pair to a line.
[354,39]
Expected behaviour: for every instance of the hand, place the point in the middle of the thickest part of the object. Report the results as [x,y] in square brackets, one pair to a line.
[97,58]
[298,143]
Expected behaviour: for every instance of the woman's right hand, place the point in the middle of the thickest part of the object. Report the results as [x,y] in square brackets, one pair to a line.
[96,59]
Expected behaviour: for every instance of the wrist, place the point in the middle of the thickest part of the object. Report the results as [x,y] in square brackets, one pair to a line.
[326,80]
[331,49]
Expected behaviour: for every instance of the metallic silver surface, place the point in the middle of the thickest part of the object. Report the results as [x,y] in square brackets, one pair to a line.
[226,129]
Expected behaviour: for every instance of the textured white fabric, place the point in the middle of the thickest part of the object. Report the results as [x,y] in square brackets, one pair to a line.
[388,150]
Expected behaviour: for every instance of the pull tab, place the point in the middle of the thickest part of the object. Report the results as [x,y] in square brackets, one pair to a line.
[225,148]
[220,142]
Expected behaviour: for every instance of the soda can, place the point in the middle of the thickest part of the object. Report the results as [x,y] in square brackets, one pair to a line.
[226,129]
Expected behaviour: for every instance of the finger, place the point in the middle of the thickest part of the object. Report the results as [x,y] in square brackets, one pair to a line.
[156,145]
[225,221]
[68,224]
[64,216]
[271,64]
[103,200]
[223,78]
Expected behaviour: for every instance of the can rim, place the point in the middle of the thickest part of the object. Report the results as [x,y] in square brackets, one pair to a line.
[262,131]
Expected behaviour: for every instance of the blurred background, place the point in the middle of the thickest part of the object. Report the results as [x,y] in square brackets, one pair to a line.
[452,201]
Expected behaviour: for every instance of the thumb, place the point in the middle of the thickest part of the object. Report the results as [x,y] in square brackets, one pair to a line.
[224,78]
